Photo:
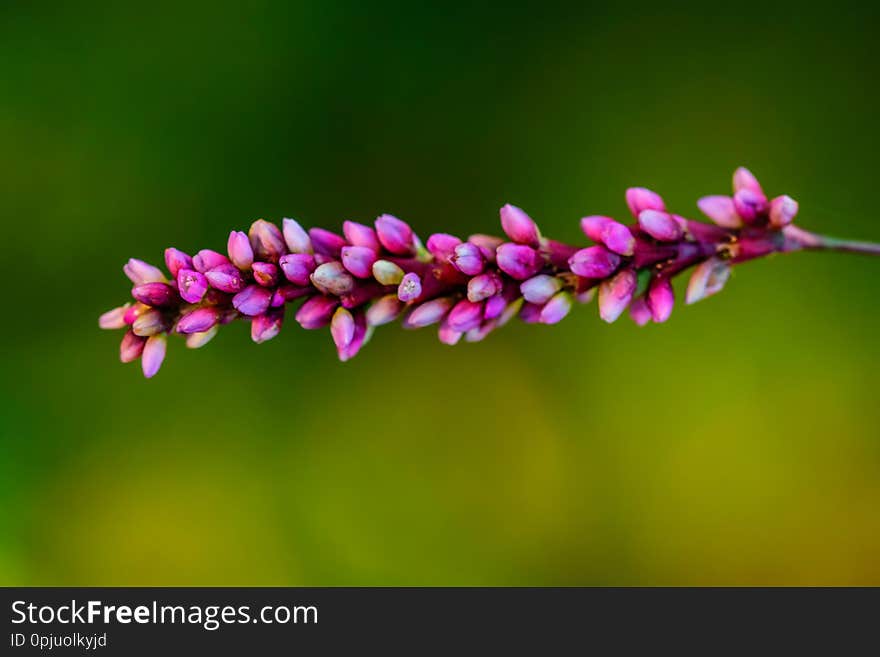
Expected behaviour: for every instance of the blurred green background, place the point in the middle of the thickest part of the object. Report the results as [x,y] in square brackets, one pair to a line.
[737,444]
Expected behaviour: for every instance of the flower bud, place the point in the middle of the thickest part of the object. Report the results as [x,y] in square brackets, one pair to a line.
[745,179]
[468,259]
[519,226]
[359,260]
[266,326]
[448,335]
[175,260]
[197,340]
[342,328]
[226,278]
[326,242]
[252,300]
[640,312]
[140,272]
[483,286]
[783,210]
[316,312]
[360,337]
[131,347]
[198,320]
[332,278]
[410,287]
[113,319]
[751,207]
[530,313]
[594,225]
[494,307]
[428,313]
[465,315]
[206,259]
[149,323]
[297,267]
[441,246]
[708,278]
[361,235]
[555,310]
[265,274]
[238,246]
[616,293]
[614,235]
[296,239]
[133,312]
[519,261]
[540,289]
[267,241]
[153,355]
[661,298]
[387,273]
[192,285]
[721,210]
[479,333]
[593,262]
[384,310]
[154,294]
[640,199]
[488,245]
[660,225]
[395,235]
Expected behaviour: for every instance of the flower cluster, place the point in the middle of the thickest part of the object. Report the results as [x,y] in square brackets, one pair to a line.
[371,275]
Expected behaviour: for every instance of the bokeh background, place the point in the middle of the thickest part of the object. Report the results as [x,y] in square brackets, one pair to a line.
[737,444]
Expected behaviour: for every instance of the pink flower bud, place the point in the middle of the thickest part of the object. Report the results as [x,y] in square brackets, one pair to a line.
[410,287]
[483,286]
[518,260]
[252,300]
[153,355]
[495,307]
[448,335]
[384,310]
[175,260]
[468,259]
[519,226]
[285,293]
[139,272]
[612,234]
[540,289]
[660,225]
[326,242]
[465,315]
[192,285]
[131,347]
[239,248]
[198,340]
[708,278]
[266,273]
[342,328]
[266,326]
[661,298]
[442,245]
[530,313]
[267,241]
[297,267]
[394,234]
[198,320]
[361,235]
[750,207]
[151,322]
[359,338]
[555,310]
[593,262]
[226,278]
[206,259]
[295,237]
[359,260]
[428,313]
[745,179]
[640,199]
[721,210]
[332,278]
[316,312]
[113,319]
[783,210]
[154,294]
[488,245]
[640,312]
[616,293]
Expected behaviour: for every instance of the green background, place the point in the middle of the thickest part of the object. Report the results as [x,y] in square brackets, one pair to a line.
[737,444]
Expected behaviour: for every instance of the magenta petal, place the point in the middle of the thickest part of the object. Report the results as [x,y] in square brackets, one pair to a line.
[640,312]
[175,260]
[428,313]
[266,326]
[359,260]
[708,278]
[468,259]
[113,319]
[297,267]
[615,294]
[151,322]
[660,225]
[745,179]
[640,199]
[593,262]
[751,207]
[198,320]
[240,251]
[465,315]
[448,335]
[410,287]
[206,259]
[483,286]
[265,274]
[252,300]
[783,210]
[488,245]
[140,272]
[384,310]
[721,210]
[519,226]
[226,278]
[556,309]
[661,298]
[316,312]
[494,307]
[518,260]
[267,241]
[442,245]
[332,278]
[295,237]
[154,354]
[394,234]
[361,235]
[154,294]
[540,289]
[342,328]
[192,285]
[131,347]
[326,242]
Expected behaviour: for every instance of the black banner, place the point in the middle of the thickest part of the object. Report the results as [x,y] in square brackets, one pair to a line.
[188,621]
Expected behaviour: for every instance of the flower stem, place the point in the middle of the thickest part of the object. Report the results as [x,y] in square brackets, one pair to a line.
[797,239]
